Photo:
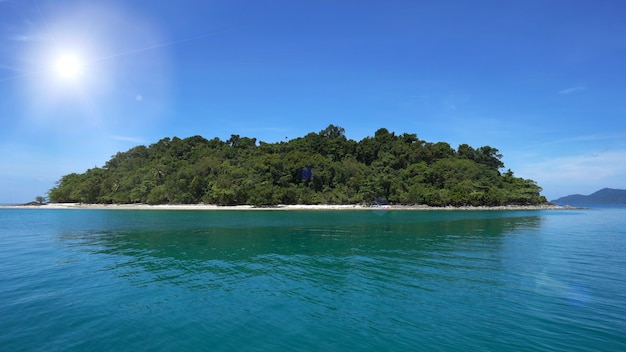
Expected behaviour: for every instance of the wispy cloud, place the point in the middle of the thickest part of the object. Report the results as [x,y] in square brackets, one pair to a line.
[572,174]
[590,138]
[571,90]
[583,167]
[452,102]
[10,68]
[23,38]
[28,37]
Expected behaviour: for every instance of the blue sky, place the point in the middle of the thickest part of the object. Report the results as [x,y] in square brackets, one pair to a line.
[542,81]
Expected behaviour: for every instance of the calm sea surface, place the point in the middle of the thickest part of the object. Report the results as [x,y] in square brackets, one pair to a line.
[115,280]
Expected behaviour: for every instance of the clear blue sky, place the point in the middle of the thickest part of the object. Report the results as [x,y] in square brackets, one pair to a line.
[542,81]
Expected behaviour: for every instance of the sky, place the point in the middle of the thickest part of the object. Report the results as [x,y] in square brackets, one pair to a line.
[542,81]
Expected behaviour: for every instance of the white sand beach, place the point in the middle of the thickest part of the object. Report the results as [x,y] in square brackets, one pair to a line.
[278,207]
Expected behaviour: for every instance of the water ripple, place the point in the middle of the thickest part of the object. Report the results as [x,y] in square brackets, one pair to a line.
[314,281]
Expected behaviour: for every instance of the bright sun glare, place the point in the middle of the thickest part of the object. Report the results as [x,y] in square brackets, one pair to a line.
[68,67]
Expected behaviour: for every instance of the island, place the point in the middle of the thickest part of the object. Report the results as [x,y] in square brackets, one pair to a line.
[603,196]
[318,168]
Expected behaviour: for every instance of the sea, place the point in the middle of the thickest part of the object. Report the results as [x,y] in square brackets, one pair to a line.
[266,280]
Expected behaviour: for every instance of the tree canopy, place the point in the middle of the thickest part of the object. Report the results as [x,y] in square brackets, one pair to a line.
[319,168]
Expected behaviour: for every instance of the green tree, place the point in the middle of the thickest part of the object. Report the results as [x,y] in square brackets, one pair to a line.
[323,167]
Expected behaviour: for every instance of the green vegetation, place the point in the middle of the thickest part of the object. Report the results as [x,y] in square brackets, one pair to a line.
[40,199]
[319,168]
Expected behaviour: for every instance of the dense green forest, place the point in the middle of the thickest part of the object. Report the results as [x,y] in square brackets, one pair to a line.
[319,168]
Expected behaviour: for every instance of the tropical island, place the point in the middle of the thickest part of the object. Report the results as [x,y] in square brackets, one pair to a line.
[319,168]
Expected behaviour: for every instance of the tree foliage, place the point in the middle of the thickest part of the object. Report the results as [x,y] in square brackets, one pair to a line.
[319,168]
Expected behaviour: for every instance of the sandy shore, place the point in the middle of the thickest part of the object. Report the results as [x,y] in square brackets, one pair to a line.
[278,207]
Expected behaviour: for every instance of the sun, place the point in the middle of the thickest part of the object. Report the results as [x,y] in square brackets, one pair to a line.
[68,67]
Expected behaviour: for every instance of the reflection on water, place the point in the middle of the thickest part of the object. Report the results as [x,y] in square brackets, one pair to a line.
[396,275]
[311,281]
[298,244]
[316,236]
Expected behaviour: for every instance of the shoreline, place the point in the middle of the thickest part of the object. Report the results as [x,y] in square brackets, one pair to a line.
[281,207]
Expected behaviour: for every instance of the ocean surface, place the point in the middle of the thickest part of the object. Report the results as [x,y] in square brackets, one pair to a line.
[118,280]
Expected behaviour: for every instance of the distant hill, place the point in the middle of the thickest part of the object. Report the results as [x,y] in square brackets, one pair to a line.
[603,196]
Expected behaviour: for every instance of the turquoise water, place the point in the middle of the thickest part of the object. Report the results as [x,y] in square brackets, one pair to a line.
[114,280]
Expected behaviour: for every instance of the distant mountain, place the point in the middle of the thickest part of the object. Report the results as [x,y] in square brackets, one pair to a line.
[603,196]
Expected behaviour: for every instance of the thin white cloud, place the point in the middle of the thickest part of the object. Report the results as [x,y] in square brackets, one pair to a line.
[23,38]
[590,138]
[571,90]
[10,68]
[30,35]
[573,174]
[592,167]
[452,102]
